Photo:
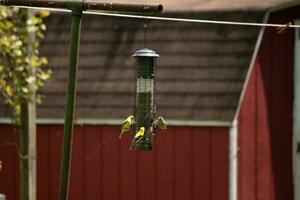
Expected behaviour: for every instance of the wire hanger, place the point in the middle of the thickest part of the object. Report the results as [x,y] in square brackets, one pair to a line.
[145,31]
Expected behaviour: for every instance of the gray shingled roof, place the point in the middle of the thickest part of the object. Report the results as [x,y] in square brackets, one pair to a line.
[200,72]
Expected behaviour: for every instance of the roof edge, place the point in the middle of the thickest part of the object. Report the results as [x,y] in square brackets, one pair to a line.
[251,65]
[283,6]
[171,122]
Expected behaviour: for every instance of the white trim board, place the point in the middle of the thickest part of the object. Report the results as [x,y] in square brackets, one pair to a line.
[233,160]
[296,116]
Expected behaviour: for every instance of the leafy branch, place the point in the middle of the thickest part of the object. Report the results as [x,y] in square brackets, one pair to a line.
[17,82]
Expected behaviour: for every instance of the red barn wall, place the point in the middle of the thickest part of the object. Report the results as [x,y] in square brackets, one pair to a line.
[265,118]
[188,163]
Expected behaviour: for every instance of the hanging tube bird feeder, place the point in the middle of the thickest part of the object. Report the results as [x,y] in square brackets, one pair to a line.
[145,108]
[143,121]
[144,111]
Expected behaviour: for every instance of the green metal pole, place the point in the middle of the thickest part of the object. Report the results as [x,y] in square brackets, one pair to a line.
[24,165]
[70,104]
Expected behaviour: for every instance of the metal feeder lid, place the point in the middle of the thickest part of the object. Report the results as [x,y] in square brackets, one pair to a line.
[145,53]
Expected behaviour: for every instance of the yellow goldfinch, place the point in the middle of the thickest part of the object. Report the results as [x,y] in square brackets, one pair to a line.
[138,136]
[126,125]
[161,123]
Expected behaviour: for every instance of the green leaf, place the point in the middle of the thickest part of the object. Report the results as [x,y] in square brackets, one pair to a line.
[44,14]
[8,90]
[25,90]
[43,27]
[45,76]
[30,79]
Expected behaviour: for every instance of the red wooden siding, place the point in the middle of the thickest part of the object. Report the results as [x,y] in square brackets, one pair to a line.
[187,163]
[265,121]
